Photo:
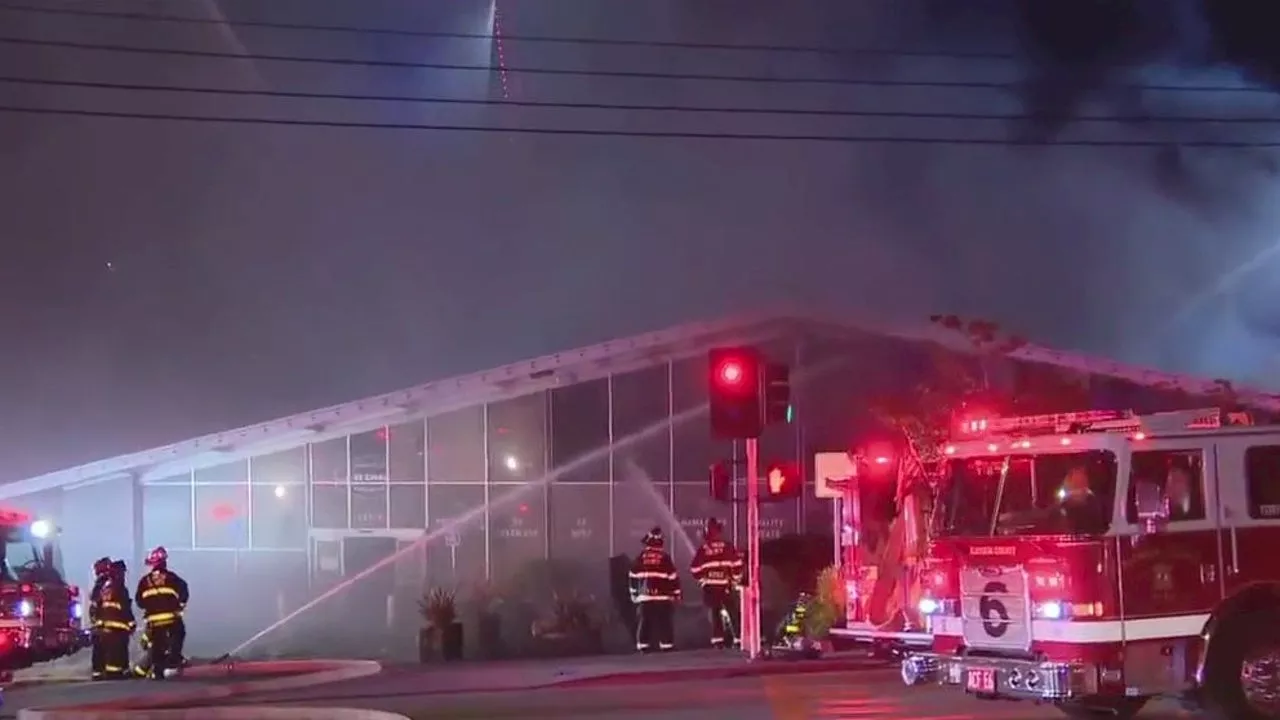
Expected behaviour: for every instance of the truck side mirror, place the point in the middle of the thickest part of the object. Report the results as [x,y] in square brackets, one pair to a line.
[1151,506]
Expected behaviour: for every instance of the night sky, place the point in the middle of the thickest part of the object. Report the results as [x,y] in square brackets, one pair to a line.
[165,279]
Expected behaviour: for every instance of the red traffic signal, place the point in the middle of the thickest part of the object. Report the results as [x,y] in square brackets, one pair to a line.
[734,392]
[782,481]
[730,372]
[721,482]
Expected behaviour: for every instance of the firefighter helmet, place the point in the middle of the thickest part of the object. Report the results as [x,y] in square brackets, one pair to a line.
[119,568]
[101,566]
[654,538]
[158,557]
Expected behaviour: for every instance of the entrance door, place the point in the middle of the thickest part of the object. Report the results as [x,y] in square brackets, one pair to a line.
[368,595]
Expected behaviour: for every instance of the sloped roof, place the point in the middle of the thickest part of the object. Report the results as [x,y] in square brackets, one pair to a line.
[556,370]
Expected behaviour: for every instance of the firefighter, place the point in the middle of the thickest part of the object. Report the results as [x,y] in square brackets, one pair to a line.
[162,596]
[717,567]
[655,588]
[101,573]
[115,623]
[792,631]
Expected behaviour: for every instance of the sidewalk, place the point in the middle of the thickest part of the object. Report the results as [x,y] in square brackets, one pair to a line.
[72,669]
[513,676]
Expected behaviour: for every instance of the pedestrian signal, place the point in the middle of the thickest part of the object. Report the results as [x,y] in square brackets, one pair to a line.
[782,481]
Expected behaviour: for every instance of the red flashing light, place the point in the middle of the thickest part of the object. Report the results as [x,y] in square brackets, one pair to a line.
[383,434]
[730,373]
[13,517]
[881,460]
[524,509]
[25,589]
[224,512]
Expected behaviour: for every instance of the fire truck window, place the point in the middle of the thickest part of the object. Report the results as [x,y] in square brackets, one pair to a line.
[1180,473]
[1262,475]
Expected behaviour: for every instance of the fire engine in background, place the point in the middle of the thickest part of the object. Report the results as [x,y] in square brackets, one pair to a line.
[40,613]
[1095,561]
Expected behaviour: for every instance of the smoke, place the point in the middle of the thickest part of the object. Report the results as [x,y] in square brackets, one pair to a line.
[1153,255]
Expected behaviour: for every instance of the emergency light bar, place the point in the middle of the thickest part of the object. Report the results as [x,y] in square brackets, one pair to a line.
[13,517]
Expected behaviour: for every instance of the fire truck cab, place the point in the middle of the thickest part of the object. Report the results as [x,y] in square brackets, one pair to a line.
[1097,560]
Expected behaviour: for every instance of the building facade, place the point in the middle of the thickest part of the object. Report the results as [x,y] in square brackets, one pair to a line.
[568,459]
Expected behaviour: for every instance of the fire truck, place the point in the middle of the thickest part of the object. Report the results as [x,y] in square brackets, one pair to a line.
[40,614]
[1093,561]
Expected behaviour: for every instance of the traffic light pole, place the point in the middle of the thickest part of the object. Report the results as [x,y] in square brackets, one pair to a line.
[751,640]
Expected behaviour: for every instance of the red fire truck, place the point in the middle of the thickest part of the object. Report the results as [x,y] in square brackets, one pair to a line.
[40,614]
[1098,560]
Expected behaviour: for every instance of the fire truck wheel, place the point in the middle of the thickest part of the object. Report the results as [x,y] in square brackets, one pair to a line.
[1248,646]
[1117,709]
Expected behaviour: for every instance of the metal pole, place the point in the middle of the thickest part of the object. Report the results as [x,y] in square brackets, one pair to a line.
[752,620]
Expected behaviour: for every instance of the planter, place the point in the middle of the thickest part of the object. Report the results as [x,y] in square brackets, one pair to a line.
[451,642]
[428,645]
[489,636]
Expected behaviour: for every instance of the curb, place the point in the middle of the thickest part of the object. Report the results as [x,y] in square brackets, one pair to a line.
[307,674]
[760,669]
[41,682]
[243,712]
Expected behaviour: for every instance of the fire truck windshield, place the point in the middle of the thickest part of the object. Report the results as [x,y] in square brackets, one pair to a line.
[1067,493]
[22,560]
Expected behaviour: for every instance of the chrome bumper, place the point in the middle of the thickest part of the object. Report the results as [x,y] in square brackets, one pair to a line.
[1014,679]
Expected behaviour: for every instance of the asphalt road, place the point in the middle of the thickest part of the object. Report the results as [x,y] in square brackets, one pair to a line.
[854,695]
[76,693]
[73,692]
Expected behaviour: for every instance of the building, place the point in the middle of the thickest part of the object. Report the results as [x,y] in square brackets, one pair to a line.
[572,457]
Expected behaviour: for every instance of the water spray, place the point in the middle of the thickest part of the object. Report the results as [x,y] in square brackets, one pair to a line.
[1222,284]
[637,474]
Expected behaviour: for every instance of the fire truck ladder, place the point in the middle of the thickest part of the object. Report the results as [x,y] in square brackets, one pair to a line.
[1109,421]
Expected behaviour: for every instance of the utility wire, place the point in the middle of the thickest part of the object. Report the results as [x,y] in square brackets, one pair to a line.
[542,39]
[645,134]
[573,72]
[627,107]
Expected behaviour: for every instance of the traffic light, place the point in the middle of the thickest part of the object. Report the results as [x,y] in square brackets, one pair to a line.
[777,393]
[782,481]
[721,481]
[735,393]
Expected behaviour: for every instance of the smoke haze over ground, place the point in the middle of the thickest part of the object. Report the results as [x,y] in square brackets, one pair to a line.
[171,279]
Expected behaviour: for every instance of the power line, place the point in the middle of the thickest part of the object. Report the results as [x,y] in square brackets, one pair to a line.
[572,72]
[643,134]
[542,39]
[622,107]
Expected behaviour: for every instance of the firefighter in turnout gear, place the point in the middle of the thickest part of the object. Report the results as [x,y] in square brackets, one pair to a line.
[655,588]
[162,596]
[101,573]
[115,623]
[717,567]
